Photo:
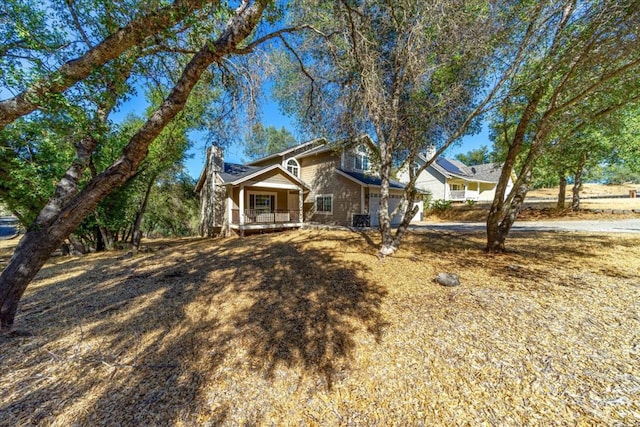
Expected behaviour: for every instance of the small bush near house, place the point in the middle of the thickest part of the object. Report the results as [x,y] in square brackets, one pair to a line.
[440,205]
[426,200]
[470,202]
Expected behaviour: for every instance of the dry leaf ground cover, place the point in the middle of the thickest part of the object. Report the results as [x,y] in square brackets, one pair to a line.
[310,328]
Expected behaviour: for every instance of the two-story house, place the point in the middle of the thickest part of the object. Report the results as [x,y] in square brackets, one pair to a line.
[311,182]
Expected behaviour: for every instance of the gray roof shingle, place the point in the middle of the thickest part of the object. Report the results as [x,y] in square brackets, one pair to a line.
[488,172]
[372,180]
[234,171]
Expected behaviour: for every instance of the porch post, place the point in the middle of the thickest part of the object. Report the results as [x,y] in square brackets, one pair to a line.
[229,209]
[300,206]
[241,204]
[362,199]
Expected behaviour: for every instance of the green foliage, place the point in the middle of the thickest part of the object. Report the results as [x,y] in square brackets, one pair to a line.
[263,141]
[440,205]
[33,157]
[477,156]
[426,201]
[620,174]
[173,208]
[470,202]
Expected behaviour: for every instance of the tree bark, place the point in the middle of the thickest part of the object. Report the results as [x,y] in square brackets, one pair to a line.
[500,230]
[384,220]
[562,192]
[498,210]
[57,221]
[577,183]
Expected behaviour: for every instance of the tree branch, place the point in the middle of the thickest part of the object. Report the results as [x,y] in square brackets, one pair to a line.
[110,48]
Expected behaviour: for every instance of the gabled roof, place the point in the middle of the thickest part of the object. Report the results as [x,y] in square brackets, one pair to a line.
[315,150]
[369,180]
[309,145]
[451,168]
[235,174]
[489,172]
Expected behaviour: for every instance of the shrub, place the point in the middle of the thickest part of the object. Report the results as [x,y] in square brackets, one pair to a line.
[426,201]
[440,205]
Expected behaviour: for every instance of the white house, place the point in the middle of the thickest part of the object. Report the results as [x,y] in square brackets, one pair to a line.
[449,179]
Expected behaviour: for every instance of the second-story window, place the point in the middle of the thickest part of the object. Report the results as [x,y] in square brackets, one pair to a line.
[293,167]
[361,159]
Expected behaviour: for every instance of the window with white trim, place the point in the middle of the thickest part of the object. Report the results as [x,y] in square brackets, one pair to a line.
[361,159]
[324,203]
[293,167]
[262,202]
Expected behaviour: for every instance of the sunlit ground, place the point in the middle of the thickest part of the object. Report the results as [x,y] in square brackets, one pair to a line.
[309,327]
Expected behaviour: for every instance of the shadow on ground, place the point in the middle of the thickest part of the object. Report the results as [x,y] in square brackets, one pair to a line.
[133,341]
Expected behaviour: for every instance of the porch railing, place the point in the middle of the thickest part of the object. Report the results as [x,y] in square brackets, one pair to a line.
[463,195]
[255,216]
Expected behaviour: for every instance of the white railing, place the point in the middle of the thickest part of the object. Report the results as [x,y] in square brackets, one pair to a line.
[463,195]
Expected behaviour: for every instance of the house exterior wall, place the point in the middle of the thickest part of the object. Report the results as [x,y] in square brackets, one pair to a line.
[275,178]
[282,196]
[429,180]
[319,172]
[348,159]
[487,192]
[432,180]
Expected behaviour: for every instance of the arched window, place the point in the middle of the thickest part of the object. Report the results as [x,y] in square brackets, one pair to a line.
[293,167]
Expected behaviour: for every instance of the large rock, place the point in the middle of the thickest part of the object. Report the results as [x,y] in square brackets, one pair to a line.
[448,279]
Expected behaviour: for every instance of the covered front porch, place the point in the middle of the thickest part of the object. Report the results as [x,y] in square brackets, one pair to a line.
[265,207]
[460,190]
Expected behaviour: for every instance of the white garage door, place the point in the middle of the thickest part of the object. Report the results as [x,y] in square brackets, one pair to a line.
[374,206]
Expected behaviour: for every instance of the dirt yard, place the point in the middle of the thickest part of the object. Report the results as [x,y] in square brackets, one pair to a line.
[597,204]
[310,328]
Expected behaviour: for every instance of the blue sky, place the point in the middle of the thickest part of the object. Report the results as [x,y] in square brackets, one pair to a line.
[271,116]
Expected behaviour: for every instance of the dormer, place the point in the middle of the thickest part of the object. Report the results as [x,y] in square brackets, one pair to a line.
[357,159]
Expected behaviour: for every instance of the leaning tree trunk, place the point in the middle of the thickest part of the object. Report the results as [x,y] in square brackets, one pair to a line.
[510,214]
[409,213]
[62,215]
[562,192]
[495,232]
[499,211]
[577,183]
[108,50]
